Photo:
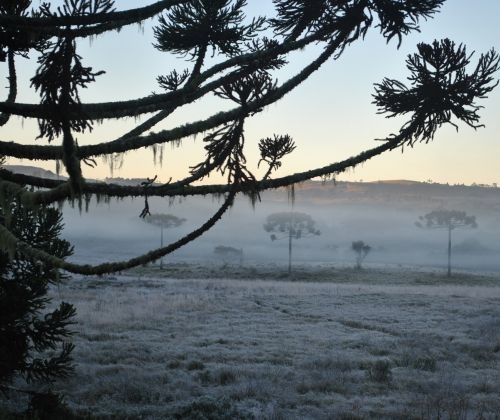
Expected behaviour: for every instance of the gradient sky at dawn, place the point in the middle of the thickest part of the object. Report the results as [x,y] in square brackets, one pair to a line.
[330,116]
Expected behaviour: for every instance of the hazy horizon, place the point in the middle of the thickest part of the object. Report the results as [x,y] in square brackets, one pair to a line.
[383,215]
[22,167]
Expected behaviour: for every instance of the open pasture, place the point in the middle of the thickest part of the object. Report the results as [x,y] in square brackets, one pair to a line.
[393,344]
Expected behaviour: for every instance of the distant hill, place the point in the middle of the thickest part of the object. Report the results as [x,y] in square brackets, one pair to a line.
[126,181]
[45,173]
[33,171]
[395,193]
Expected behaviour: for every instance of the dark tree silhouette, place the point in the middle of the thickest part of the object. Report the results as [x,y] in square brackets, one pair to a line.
[361,250]
[449,220]
[444,86]
[164,221]
[291,226]
[33,340]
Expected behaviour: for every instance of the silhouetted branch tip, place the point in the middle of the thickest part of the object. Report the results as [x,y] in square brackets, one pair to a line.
[440,87]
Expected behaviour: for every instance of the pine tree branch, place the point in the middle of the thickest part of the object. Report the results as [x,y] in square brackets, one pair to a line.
[218,119]
[59,190]
[123,144]
[26,249]
[30,151]
[11,98]
[51,25]
[86,31]
[152,103]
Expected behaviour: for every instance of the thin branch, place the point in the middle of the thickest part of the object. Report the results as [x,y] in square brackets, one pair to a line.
[51,25]
[59,190]
[28,250]
[124,144]
[152,103]
[190,129]
[198,65]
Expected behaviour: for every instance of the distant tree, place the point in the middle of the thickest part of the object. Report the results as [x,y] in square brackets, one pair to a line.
[361,250]
[164,221]
[33,338]
[229,253]
[290,225]
[447,219]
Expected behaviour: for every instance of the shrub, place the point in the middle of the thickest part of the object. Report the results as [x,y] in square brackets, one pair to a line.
[427,363]
[380,371]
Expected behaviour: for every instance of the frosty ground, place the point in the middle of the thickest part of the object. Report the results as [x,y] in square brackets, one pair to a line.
[252,343]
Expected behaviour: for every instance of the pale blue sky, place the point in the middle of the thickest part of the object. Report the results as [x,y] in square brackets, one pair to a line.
[330,116]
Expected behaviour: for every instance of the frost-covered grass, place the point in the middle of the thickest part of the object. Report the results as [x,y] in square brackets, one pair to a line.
[319,272]
[357,344]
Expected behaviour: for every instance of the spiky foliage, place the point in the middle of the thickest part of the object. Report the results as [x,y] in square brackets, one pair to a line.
[397,18]
[14,39]
[440,88]
[361,250]
[33,339]
[291,226]
[79,8]
[243,73]
[449,220]
[273,150]
[193,27]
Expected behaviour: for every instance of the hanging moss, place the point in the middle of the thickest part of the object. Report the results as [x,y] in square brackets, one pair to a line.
[157,150]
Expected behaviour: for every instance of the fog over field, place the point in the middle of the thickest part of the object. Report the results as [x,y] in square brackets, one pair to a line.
[381,214]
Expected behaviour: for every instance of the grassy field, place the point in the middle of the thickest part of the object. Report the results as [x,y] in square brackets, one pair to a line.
[231,342]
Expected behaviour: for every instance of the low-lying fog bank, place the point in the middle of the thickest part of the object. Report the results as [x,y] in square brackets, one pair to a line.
[382,215]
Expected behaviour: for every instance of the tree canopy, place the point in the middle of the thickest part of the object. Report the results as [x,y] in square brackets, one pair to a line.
[34,334]
[446,219]
[361,250]
[166,221]
[443,87]
[292,226]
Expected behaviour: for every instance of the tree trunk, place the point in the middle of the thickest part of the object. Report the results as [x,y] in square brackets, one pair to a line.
[290,251]
[449,251]
[161,244]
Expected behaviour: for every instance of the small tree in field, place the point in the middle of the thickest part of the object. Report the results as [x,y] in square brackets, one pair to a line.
[290,225]
[229,253]
[33,339]
[449,220]
[164,221]
[361,250]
